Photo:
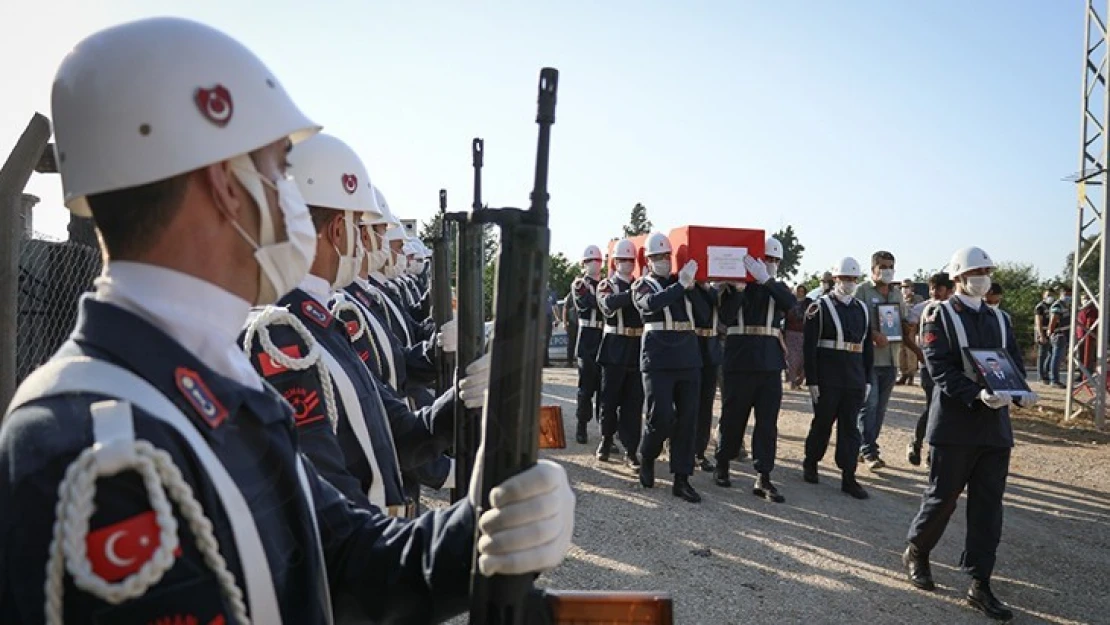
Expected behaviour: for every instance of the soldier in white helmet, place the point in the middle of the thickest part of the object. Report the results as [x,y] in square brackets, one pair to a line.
[590,323]
[838,365]
[147,474]
[969,430]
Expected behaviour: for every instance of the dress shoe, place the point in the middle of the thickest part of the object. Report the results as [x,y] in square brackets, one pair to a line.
[632,460]
[705,464]
[875,463]
[980,597]
[765,489]
[917,568]
[580,434]
[647,474]
[851,486]
[720,475]
[605,448]
[809,472]
[683,489]
[913,454]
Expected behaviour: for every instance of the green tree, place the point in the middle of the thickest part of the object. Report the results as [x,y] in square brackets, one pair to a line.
[561,273]
[792,250]
[1089,270]
[923,275]
[638,222]
[1021,290]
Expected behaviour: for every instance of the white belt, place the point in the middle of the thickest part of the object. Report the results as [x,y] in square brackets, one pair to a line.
[678,326]
[624,332]
[844,346]
[582,323]
[706,332]
[755,331]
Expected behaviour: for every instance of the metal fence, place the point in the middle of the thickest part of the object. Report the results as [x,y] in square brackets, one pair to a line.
[52,276]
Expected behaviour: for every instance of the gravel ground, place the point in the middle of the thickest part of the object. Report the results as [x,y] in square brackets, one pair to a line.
[823,557]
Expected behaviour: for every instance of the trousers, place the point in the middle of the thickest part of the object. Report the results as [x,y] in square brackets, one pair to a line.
[839,405]
[707,393]
[589,383]
[983,471]
[622,404]
[672,412]
[741,393]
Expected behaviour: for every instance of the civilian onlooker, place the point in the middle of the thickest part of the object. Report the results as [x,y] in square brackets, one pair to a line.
[794,326]
[1084,320]
[1040,334]
[880,289]
[1059,332]
[907,359]
[994,296]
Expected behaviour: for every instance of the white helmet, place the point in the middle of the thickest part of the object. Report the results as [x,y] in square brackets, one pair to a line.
[418,249]
[657,243]
[385,215]
[148,100]
[592,252]
[396,233]
[625,250]
[772,248]
[409,248]
[847,267]
[330,175]
[969,259]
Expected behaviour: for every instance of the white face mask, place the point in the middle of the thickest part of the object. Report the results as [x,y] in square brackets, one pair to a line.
[396,266]
[772,268]
[977,286]
[593,268]
[845,289]
[283,265]
[886,276]
[379,257]
[348,263]
[660,267]
[625,267]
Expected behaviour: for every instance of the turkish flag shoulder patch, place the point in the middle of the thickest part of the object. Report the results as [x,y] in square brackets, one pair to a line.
[120,549]
[270,367]
[929,338]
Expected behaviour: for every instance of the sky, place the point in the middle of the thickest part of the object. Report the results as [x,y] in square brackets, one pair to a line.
[915,127]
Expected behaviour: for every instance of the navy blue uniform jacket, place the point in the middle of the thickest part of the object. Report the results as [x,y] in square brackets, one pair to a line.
[585,304]
[380,568]
[711,349]
[831,367]
[614,300]
[667,350]
[751,352]
[957,416]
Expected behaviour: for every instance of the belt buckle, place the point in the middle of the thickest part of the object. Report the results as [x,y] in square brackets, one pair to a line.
[410,508]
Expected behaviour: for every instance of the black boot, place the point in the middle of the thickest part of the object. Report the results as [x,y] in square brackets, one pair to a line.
[917,568]
[705,464]
[647,473]
[580,435]
[848,484]
[765,489]
[980,597]
[605,448]
[683,489]
[720,475]
[809,472]
[913,453]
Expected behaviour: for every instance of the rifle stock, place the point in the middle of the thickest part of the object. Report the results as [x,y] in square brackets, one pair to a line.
[471,323]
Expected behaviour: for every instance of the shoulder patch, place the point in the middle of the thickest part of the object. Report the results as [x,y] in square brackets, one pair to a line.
[122,548]
[316,313]
[362,298]
[605,287]
[929,338]
[305,404]
[203,400]
[270,367]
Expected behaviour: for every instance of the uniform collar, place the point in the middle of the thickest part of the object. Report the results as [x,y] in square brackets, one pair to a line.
[200,316]
[974,303]
[317,287]
[378,277]
[208,397]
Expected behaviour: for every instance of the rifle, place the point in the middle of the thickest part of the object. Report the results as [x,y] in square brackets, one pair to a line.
[510,436]
[441,294]
[471,320]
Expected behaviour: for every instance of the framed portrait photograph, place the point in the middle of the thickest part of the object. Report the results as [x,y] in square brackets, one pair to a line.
[997,370]
[890,321]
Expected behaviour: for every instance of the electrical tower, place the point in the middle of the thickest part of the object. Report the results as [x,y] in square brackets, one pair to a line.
[1090,268]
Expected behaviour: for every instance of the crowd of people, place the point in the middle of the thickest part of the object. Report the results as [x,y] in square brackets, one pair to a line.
[653,344]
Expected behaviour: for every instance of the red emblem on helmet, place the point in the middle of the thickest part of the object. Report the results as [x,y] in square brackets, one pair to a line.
[215,104]
[350,183]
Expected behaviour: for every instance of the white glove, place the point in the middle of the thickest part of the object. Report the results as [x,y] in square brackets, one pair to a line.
[866,392]
[530,522]
[448,336]
[814,393]
[1026,400]
[997,400]
[687,273]
[472,388]
[757,269]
